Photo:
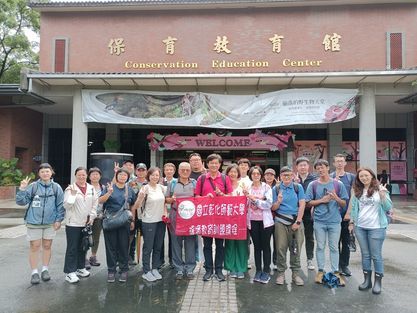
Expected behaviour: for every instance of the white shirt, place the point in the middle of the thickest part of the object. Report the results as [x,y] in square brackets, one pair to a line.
[368,210]
[155,203]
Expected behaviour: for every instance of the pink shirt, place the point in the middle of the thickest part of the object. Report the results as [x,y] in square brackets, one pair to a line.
[256,213]
[208,188]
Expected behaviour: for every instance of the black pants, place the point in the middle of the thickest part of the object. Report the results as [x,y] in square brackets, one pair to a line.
[169,248]
[274,248]
[344,253]
[309,235]
[134,233]
[74,255]
[208,254]
[261,238]
[117,247]
[153,236]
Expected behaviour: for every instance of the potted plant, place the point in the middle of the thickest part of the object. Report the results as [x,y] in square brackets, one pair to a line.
[111,145]
[10,178]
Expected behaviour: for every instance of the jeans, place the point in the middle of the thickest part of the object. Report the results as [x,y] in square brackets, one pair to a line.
[330,232]
[344,253]
[261,238]
[74,255]
[371,241]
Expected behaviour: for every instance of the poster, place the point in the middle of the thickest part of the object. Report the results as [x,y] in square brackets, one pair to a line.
[398,171]
[351,150]
[312,149]
[398,150]
[382,150]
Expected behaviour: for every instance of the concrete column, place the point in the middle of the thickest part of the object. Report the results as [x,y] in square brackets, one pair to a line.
[79,135]
[334,140]
[367,127]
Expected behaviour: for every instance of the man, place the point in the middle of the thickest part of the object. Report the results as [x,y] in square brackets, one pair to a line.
[169,172]
[328,196]
[304,177]
[244,166]
[339,162]
[197,167]
[137,184]
[182,188]
[129,165]
[288,204]
[213,184]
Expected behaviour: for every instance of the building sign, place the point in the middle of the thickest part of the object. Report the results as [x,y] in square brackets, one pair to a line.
[197,109]
[218,217]
[256,141]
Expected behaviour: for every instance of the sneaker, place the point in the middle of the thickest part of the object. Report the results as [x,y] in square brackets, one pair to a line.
[220,276]
[111,277]
[297,280]
[132,261]
[35,279]
[72,278]
[346,271]
[123,277]
[45,275]
[171,265]
[257,277]
[240,275]
[319,277]
[342,282]
[93,261]
[149,277]
[190,276]
[280,279]
[87,264]
[82,273]
[207,276]
[179,275]
[156,274]
[233,274]
[265,278]
[310,265]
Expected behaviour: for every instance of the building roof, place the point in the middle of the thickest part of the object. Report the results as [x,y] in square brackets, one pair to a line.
[410,99]
[11,95]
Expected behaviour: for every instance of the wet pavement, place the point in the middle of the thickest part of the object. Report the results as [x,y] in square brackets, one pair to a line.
[94,294]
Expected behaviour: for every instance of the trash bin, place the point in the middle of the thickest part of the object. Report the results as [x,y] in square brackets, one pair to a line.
[105,162]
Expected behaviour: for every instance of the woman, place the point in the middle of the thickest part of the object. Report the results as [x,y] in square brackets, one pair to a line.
[260,223]
[80,203]
[153,197]
[367,213]
[269,178]
[236,254]
[43,217]
[94,176]
[115,197]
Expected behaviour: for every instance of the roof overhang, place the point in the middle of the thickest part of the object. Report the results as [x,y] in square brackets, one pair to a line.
[11,96]
[410,99]
[115,5]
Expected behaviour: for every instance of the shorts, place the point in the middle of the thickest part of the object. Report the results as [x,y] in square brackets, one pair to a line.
[40,233]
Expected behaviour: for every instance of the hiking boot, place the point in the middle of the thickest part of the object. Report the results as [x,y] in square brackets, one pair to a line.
[297,280]
[87,264]
[82,273]
[265,278]
[35,279]
[45,275]
[342,282]
[310,265]
[220,276]
[111,277]
[319,277]
[179,276]
[367,281]
[156,274]
[240,275]
[280,279]
[257,277]
[346,271]
[93,261]
[72,278]
[190,276]
[207,276]
[123,277]
[148,277]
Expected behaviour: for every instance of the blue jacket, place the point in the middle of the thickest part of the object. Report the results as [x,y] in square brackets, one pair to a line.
[51,197]
[384,206]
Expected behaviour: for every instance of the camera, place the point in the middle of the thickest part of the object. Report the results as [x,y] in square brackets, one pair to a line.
[87,241]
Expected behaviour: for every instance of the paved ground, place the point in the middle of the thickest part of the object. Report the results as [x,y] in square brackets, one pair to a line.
[169,295]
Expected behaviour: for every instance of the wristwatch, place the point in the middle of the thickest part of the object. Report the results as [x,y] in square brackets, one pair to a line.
[298,222]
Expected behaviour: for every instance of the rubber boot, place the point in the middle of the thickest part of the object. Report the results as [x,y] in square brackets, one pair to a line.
[376,290]
[367,282]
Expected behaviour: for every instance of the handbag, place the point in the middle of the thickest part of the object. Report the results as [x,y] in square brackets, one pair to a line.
[120,218]
[352,242]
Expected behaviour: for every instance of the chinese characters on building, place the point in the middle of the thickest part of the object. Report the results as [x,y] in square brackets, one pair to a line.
[332,42]
[116,46]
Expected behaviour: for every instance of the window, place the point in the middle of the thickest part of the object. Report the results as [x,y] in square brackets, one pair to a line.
[395,51]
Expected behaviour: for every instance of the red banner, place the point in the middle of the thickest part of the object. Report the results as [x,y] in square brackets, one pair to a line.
[219,217]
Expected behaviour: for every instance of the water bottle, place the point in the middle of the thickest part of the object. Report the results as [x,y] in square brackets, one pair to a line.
[36,202]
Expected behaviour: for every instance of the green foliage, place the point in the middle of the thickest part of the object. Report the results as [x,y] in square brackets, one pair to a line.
[10,175]
[111,145]
[16,50]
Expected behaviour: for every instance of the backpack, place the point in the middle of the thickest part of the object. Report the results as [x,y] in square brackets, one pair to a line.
[336,187]
[34,191]
[203,179]
[171,186]
[350,177]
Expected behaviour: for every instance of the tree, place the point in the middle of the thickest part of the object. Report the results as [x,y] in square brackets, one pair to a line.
[16,49]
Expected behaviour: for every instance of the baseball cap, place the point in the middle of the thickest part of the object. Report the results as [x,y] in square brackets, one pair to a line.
[141,166]
[285,169]
[270,171]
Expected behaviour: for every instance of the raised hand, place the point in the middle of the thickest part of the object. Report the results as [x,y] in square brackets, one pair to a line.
[116,166]
[73,190]
[280,197]
[24,183]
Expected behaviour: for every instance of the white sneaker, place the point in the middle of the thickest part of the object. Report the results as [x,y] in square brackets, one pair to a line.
[72,278]
[149,277]
[156,274]
[82,273]
[310,265]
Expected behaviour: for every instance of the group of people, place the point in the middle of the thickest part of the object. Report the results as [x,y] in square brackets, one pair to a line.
[292,207]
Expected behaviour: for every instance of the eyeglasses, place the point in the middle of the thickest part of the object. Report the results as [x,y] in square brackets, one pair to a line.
[184,169]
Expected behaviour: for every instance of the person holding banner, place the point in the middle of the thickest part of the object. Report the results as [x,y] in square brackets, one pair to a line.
[260,223]
[213,184]
[181,188]
[236,251]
